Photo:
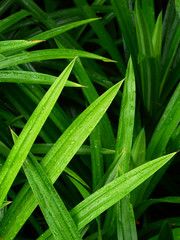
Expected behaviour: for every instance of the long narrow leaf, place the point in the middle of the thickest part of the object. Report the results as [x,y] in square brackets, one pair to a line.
[125,215]
[59,30]
[56,160]
[108,195]
[29,133]
[47,54]
[53,208]
[14,18]
[126,119]
[16,76]
[16,44]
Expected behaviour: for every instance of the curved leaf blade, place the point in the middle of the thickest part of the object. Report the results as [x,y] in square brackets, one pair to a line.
[56,160]
[16,76]
[108,195]
[29,133]
[47,54]
[57,216]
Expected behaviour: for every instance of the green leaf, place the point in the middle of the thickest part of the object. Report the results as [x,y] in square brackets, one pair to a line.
[157,36]
[74,136]
[96,156]
[111,173]
[111,193]
[43,148]
[52,207]
[6,46]
[46,236]
[126,119]
[56,160]
[5,203]
[59,30]
[16,76]
[80,188]
[108,140]
[138,152]
[124,142]
[47,54]
[77,178]
[13,19]
[126,228]
[29,133]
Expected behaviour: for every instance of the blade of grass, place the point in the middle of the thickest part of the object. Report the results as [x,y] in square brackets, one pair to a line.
[126,228]
[108,195]
[111,193]
[53,208]
[139,149]
[56,160]
[157,37]
[59,30]
[80,188]
[10,45]
[124,141]
[57,115]
[126,119]
[96,156]
[16,76]
[108,140]
[43,148]
[138,154]
[47,54]
[29,133]
[13,19]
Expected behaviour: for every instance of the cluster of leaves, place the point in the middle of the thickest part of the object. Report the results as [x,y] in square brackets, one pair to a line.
[80,168]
